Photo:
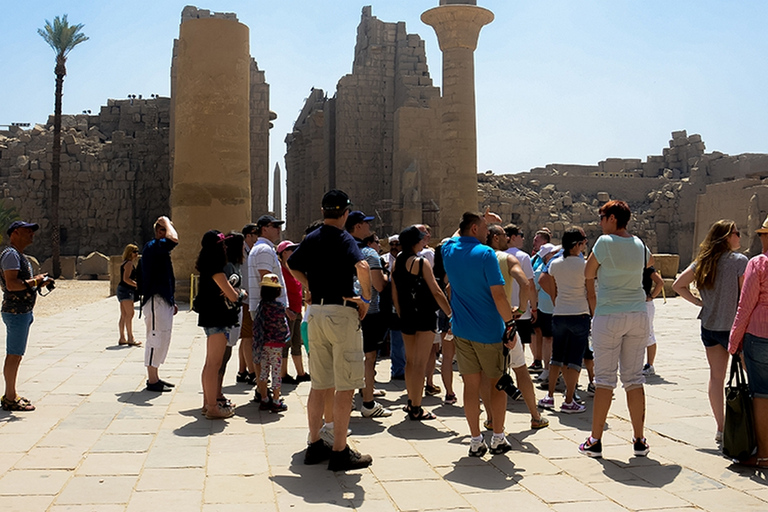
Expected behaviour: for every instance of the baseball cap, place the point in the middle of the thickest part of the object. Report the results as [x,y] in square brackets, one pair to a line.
[21,224]
[285,244]
[271,281]
[546,249]
[356,217]
[410,236]
[336,200]
[266,220]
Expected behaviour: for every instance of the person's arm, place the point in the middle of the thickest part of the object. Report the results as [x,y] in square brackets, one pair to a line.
[127,274]
[437,293]
[502,303]
[590,273]
[378,279]
[170,230]
[490,217]
[516,271]
[364,276]
[681,286]
[226,288]
[14,284]
[658,285]
[750,294]
[547,283]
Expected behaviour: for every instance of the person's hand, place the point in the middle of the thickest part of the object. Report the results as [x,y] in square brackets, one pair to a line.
[510,328]
[175,309]
[290,314]
[363,310]
[534,315]
[490,217]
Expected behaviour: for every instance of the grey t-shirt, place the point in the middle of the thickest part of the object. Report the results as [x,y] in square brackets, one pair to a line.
[720,303]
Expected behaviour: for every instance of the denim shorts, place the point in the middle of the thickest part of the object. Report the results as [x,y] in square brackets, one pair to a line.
[570,337]
[125,293]
[714,338]
[756,359]
[210,331]
[17,332]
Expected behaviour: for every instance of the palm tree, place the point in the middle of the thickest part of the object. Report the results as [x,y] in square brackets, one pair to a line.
[62,37]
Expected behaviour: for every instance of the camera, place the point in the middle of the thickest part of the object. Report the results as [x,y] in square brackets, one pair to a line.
[506,385]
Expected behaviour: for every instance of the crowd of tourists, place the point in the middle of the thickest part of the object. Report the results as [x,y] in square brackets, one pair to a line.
[476,297]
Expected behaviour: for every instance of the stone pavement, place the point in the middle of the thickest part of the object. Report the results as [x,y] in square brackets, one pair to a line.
[98,441]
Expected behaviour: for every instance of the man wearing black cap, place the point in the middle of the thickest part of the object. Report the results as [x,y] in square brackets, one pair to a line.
[19,286]
[374,324]
[326,263]
[263,260]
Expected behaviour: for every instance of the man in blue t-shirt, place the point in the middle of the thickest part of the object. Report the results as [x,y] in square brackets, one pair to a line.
[482,318]
[158,302]
[326,262]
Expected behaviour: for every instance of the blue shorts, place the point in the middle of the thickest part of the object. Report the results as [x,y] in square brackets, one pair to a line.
[570,337]
[210,331]
[125,293]
[756,359]
[714,338]
[17,332]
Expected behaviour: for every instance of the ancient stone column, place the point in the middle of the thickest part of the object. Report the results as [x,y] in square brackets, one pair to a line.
[458,25]
[210,181]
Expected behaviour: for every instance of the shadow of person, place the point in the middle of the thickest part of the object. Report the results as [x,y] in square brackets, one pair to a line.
[419,430]
[200,426]
[315,484]
[650,472]
[141,398]
[487,475]
[759,475]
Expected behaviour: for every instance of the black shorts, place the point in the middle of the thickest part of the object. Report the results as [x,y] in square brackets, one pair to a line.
[410,323]
[524,329]
[375,328]
[544,322]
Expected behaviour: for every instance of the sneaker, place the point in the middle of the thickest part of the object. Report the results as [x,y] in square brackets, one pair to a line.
[303,378]
[242,377]
[288,379]
[377,411]
[591,449]
[326,434]
[477,448]
[543,376]
[432,390]
[641,447]
[719,437]
[266,405]
[451,399]
[278,406]
[167,384]
[157,387]
[576,398]
[548,402]
[648,370]
[348,459]
[536,367]
[591,389]
[317,452]
[572,408]
[257,397]
[499,445]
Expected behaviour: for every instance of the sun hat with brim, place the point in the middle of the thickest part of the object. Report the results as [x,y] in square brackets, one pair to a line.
[271,281]
[21,224]
[285,245]
[764,228]
[410,236]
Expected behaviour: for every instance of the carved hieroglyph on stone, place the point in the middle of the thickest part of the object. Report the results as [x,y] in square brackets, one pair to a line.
[210,187]
[458,25]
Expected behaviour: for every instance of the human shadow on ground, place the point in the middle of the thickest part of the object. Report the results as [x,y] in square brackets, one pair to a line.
[200,426]
[366,426]
[502,475]
[9,417]
[418,430]
[655,380]
[252,414]
[142,398]
[759,475]
[657,474]
[315,484]
[117,346]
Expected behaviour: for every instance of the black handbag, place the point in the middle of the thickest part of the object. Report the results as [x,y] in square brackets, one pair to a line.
[738,433]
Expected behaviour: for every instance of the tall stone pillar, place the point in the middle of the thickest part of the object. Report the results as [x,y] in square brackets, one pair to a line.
[210,180]
[457,24]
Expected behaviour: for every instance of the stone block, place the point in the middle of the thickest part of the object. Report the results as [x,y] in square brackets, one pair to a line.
[94,263]
[668,291]
[68,264]
[603,197]
[667,264]
[681,134]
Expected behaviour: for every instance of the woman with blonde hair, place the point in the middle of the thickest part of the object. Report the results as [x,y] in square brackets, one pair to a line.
[718,273]
[126,295]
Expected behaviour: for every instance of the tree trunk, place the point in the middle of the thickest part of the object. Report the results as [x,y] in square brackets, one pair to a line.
[61,70]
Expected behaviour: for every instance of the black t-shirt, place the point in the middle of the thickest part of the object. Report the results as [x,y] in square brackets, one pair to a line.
[328,256]
[212,306]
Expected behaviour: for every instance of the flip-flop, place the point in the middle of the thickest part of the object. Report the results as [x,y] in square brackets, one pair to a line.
[131,343]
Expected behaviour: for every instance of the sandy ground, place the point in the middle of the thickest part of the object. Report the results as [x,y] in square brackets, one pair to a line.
[70,294]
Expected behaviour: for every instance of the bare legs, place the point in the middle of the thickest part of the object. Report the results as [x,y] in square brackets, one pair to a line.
[316,404]
[635,404]
[10,372]
[370,372]
[214,355]
[446,370]
[429,372]
[525,384]
[418,347]
[126,321]
[717,357]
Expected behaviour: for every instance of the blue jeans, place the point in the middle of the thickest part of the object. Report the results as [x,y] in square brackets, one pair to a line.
[756,359]
[570,337]
[17,332]
[397,352]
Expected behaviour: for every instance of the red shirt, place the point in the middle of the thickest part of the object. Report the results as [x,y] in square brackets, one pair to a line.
[293,288]
[752,315]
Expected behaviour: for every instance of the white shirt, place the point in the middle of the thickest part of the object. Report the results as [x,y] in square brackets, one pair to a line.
[525,263]
[571,291]
[263,256]
[428,254]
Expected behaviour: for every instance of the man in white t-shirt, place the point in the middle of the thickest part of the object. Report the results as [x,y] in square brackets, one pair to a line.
[524,327]
[263,260]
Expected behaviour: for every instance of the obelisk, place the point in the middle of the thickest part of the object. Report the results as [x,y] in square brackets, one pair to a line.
[457,24]
[211,181]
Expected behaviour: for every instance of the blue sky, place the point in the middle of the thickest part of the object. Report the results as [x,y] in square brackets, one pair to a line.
[557,81]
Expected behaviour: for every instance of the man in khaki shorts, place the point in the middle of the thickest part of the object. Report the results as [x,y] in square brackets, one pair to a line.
[326,262]
[482,321]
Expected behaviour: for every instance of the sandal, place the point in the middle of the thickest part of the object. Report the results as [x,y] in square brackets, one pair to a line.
[20,404]
[417,413]
[225,402]
[129,343]
[542,422]
[488,424]
[407,408]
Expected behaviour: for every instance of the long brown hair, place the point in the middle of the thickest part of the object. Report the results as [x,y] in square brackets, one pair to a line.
[711,249]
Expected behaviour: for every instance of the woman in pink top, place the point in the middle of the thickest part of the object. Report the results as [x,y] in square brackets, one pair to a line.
[293,311]
[750,332]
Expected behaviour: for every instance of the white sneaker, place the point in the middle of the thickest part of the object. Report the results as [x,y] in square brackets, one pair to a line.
[499,445]
[649,370]
[543,376]
[326,434]
[377,411]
